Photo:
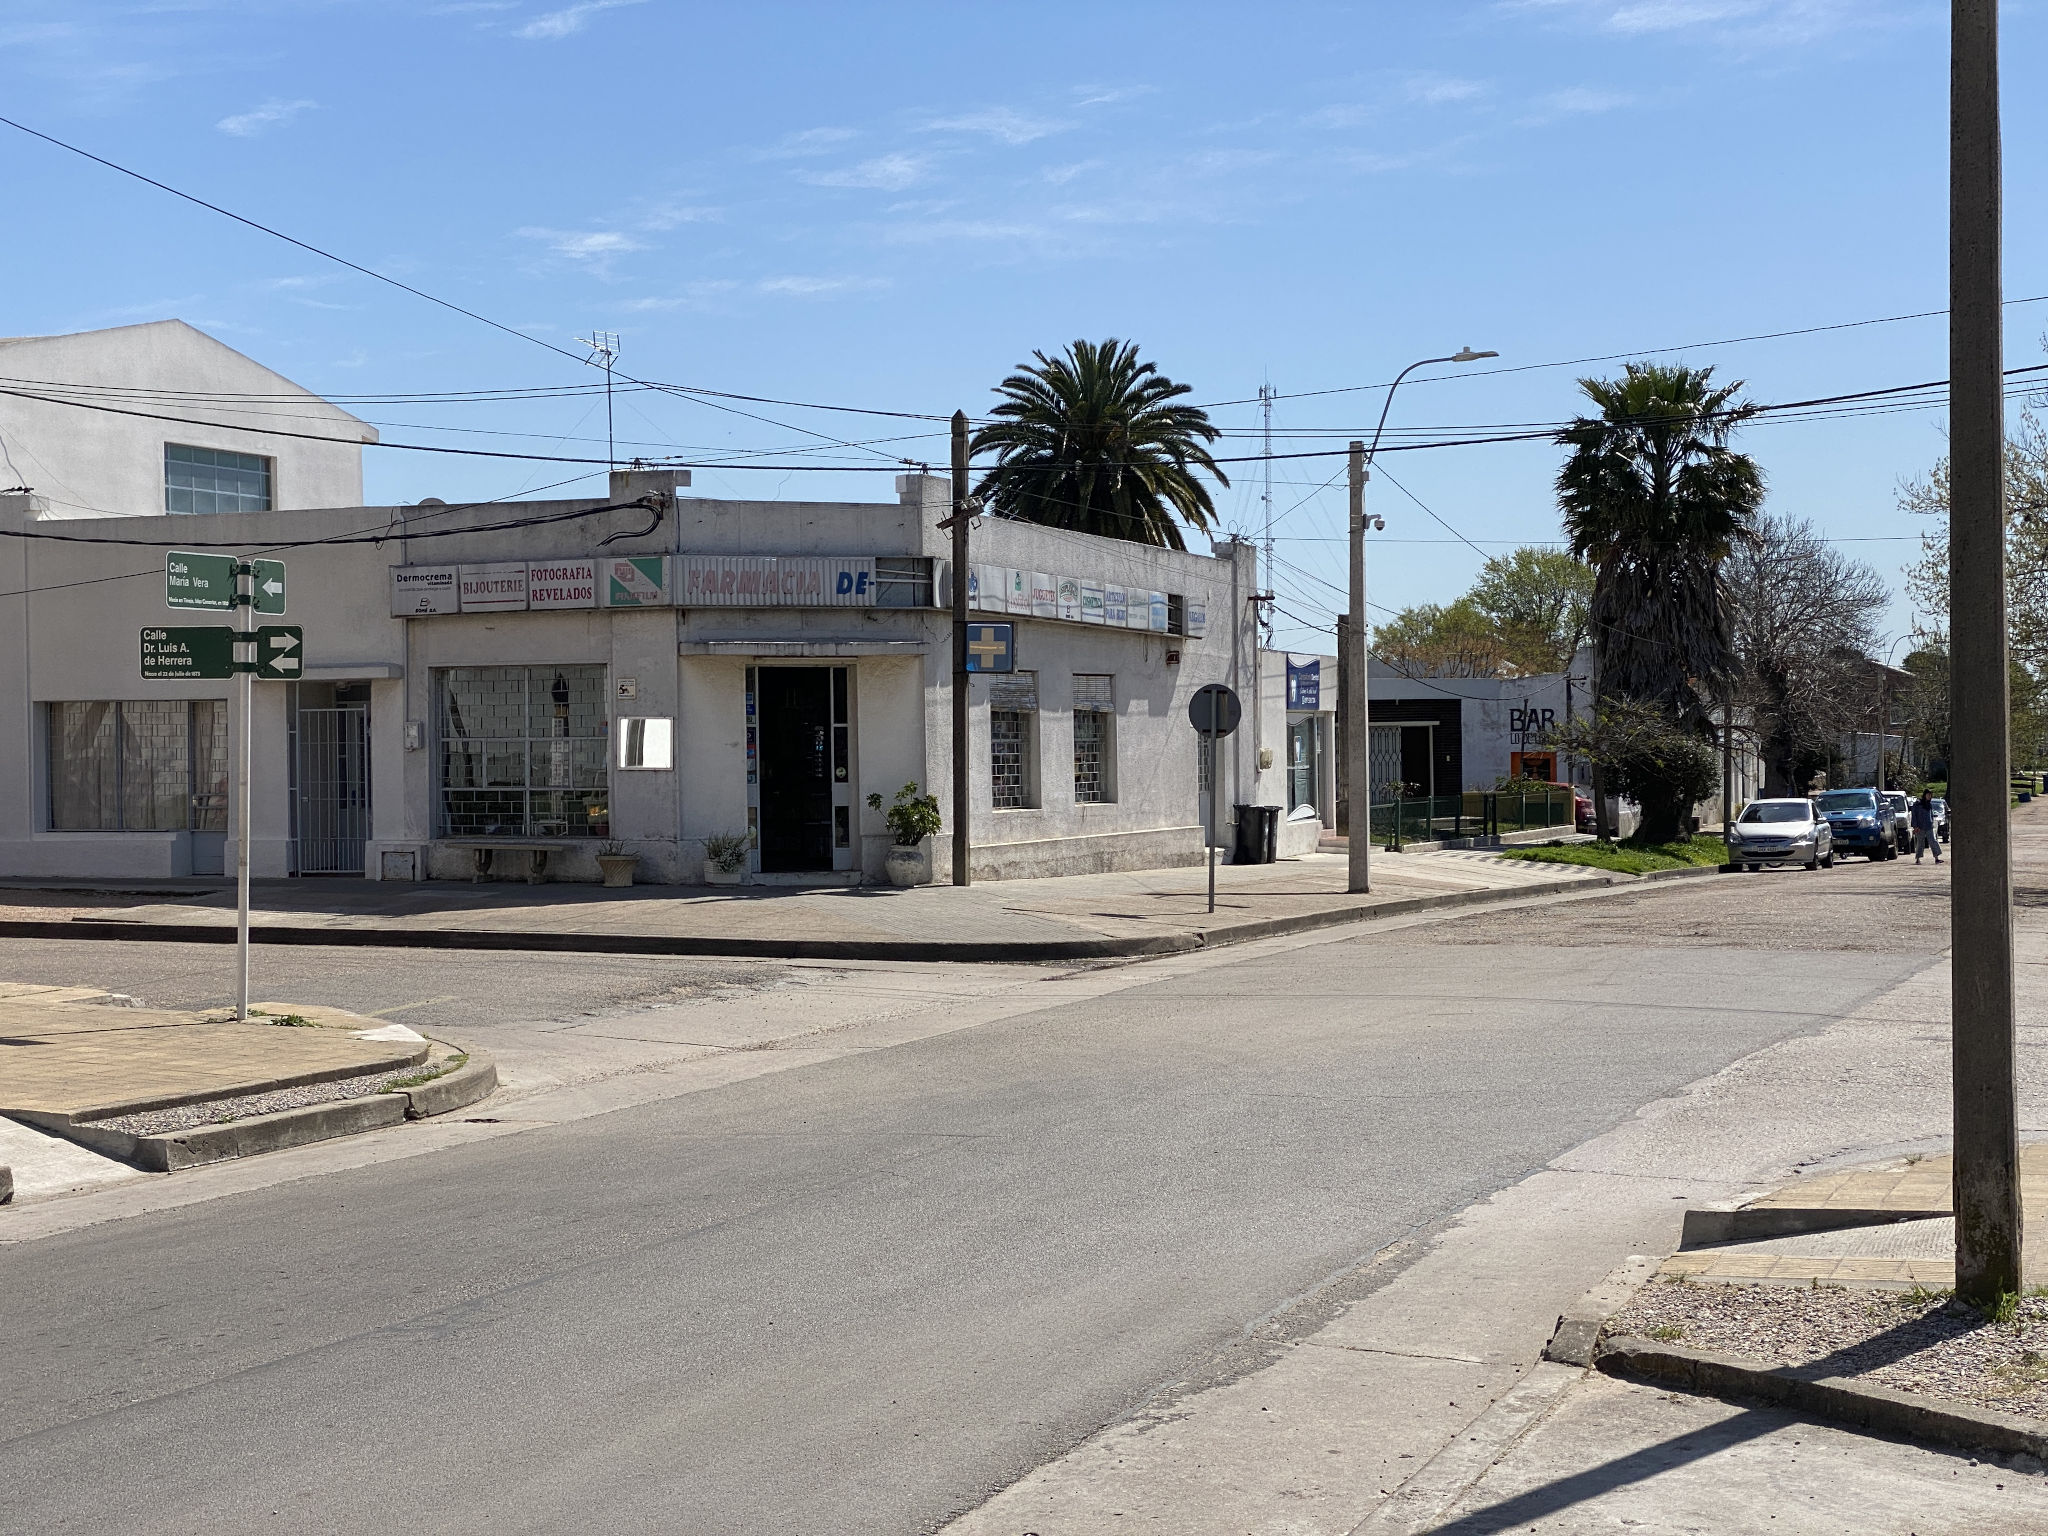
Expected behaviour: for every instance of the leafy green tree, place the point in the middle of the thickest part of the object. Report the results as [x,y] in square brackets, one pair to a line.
[1641,752]
[1090,440]
[1442,640]
[1537,601]
[1653,499]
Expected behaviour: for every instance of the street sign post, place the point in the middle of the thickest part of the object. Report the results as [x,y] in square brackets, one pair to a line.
[222,584]
[280,652]
[1214,711]
[189,650]
[200,581]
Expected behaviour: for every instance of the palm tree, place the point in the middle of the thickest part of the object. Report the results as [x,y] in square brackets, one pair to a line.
[1654,499]
[1088,441]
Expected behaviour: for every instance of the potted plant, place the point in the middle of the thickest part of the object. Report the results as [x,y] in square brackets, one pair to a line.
[615,863]
[725,858]
[912,818]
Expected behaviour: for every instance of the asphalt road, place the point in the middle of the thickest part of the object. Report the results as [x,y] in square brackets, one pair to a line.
[859,1296]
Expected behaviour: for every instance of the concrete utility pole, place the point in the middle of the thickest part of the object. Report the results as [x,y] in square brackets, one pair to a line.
[1987,1186]
[963,874]
[1357,729]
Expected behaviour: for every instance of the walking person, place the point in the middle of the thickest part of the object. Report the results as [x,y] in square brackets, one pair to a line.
[1923,827]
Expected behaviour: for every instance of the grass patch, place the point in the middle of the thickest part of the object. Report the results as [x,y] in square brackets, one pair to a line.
[426,1075]
[1667,1333]
[1631,857]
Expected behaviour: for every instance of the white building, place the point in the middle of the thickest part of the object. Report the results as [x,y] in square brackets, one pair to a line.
[469,686]
[145,420]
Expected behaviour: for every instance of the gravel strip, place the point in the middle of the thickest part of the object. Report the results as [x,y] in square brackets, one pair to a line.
[1910,1342]
[184,1117]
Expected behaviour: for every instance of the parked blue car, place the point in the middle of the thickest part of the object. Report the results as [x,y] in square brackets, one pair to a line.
[1860,820]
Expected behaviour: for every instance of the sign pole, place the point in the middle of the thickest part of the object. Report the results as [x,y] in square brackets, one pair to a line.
[245,679]
[1209,834]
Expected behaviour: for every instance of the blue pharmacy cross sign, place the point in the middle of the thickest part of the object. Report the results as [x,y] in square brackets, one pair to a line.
[991,648]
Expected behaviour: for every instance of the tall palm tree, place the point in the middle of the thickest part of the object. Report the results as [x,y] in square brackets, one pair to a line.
[1089,441]
[1654,499]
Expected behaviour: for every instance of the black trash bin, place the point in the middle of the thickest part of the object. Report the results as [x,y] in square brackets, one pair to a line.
[1258,834]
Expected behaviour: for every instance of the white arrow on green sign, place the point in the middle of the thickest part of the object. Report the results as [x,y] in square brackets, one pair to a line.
[280,652]
[269,585]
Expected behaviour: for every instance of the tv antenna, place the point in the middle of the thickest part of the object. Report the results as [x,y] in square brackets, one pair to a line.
[604,352]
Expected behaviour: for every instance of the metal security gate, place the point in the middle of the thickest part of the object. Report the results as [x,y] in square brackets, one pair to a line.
[330,789]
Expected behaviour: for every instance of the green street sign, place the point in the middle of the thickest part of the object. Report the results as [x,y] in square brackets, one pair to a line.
[281,652]
[269,585]
[194,650]
[200,581]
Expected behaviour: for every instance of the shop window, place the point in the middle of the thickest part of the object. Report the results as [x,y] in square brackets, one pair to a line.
[214,480]
[1176,614]
[1094,738]
[903,581]
[522,752]
[143,765]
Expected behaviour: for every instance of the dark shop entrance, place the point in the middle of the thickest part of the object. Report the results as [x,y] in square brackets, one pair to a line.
[806,813]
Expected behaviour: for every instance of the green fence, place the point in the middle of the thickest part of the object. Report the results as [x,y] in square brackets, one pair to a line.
[1473,814]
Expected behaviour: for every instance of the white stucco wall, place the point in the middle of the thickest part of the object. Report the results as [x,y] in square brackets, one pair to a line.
[70,614]
[92,463]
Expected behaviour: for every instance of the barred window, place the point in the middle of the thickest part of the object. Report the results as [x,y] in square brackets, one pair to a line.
[139,765]
[522,752]
[214,480]
[1092,758]
[1006,772]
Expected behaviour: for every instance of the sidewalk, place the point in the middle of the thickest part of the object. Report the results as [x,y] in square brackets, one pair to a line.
[92,1087]
[1072,917]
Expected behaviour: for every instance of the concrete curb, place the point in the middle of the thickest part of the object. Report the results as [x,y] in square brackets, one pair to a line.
[1832,1398]
[1705,1228]
[476,1078]
[171,1151]
[1576,1339]
[898,950]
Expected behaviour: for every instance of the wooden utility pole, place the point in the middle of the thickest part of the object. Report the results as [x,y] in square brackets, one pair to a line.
[1987,1186]
[963,873]
[1357,727]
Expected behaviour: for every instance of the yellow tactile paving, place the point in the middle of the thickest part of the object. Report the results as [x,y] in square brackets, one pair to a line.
[1783,1269]
[1923,1186]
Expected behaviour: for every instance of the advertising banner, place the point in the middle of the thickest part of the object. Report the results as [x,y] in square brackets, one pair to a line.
[636,581]
[497,588]
[424,589]
[561,584]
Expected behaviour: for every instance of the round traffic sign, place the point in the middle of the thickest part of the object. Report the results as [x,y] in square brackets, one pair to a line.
[1214,710]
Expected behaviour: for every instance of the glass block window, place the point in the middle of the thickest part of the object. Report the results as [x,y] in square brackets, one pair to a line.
[214,480]
[139,765]
[1006,737]
[522,752]
[1092,760]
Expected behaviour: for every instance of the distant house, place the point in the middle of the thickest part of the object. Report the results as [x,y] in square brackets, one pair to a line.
[156,419]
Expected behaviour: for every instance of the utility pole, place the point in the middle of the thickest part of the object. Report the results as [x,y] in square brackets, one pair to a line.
[963,874]
[1357,728]
[1987,1188]
[1727,762]
[1265,588]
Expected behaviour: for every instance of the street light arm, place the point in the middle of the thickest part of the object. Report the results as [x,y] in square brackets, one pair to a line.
[1463,355]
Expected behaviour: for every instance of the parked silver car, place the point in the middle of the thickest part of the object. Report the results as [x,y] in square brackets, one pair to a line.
[1941,818]
[1781,832]
[1900,806]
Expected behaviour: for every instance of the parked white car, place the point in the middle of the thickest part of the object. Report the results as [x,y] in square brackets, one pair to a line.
[1781,832]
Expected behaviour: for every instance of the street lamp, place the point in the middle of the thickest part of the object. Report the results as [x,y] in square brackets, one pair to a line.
[1358,729]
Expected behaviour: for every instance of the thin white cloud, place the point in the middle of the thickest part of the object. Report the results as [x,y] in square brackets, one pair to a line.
[818,287]
[1740,23]
[1060,175]
[809,141]
[568,21]
[1580,101]
[246,125]
[669,215]
[999,123]
[884,173]
[1106,95]
[593,249]
[1438,90]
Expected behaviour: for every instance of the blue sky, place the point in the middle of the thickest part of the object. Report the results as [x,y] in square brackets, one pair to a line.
[891,205]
